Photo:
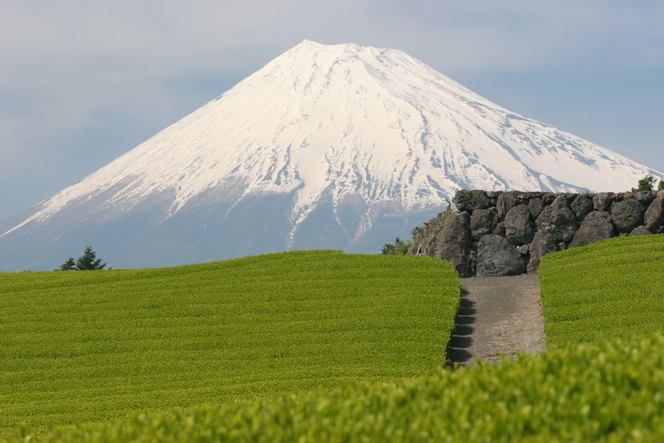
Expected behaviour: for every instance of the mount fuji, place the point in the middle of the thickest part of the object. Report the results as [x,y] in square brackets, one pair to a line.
[341,146]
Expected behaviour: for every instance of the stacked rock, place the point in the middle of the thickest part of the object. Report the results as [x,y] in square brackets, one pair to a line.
[488,233]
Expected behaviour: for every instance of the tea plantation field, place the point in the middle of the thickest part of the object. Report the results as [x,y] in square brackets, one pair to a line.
[80,347]
[614,288]
[606,392]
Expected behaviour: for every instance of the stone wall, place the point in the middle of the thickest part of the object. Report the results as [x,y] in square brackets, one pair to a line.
[488,233]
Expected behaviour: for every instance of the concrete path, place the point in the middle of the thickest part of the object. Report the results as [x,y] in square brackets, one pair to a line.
[497,314]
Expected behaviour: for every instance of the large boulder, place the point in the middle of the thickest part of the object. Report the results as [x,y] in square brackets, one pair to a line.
[558,220]
[453,242]
[482,222]
[470,200]
[535,207]
[653,219]
[497,257]
[595,227]
[581,206]
[645,197]
[542,245]
[601,201]
[505,202]
[519,228]
[638,231]
[627,214]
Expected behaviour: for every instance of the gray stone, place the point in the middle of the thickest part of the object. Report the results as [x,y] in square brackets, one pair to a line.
[500,229]
[471,200]
[425,242]
[581,206]
[548,198]
[595,227]
[627,214]
[542,245]
[453,241]
[535,207]
[638,231]
[493,194]
[523,249]
[519,228]
[601,201]
[482,222]
[654,217]
[497,257]
[506,201]
[558,220]
[644,197]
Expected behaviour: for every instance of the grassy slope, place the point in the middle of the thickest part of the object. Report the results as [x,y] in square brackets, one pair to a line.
[92,346]
[612,392]
[613,288]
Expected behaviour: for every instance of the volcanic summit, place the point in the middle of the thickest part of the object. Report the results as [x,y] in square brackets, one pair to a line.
[327,146]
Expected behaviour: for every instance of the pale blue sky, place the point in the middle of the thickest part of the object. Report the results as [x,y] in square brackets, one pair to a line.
[82,82]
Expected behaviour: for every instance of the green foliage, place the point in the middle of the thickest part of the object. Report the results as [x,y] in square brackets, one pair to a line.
[612,288]
[661,185]
[86,262]
[81,347]
[69,265]
[398,248]
[647,183]
[611,392]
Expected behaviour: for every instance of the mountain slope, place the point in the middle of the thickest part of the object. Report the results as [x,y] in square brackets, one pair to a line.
[336,141]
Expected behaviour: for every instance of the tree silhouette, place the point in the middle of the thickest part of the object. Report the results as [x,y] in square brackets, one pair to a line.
[68,265]
[647,183]
[86,262]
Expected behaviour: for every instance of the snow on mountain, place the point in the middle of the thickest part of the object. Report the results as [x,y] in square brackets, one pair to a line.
[340,123]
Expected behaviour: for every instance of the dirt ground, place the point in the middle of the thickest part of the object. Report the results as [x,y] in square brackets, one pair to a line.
[497,314]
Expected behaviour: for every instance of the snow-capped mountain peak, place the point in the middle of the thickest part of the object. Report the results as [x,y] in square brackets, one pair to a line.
[343,122]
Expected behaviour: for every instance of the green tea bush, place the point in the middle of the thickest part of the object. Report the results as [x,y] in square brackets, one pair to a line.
[613,288]
[607,392]
[91,346]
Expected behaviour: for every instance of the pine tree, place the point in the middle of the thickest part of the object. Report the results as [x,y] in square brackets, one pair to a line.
[68,265]
[645,184]
[88,261]
[661,185]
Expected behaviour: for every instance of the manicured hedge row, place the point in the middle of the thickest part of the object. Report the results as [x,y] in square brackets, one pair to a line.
[614,288]
[611,392]
[91,346]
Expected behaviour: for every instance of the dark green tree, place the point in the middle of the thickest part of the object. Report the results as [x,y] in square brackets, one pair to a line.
[661,185]
[647,183]
[400,247]
[86,262]
[89,261]
[68,265]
